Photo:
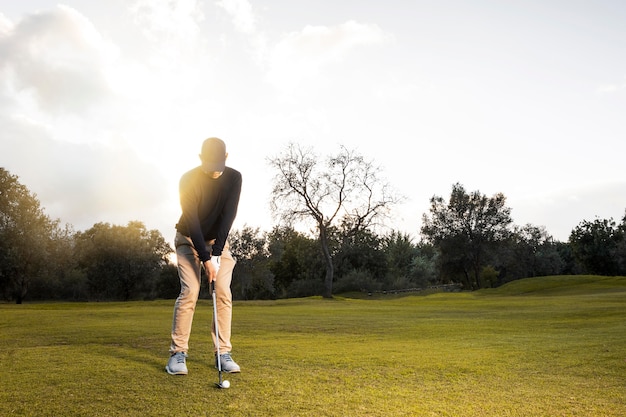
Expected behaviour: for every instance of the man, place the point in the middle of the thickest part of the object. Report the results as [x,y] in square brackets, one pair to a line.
[209,197]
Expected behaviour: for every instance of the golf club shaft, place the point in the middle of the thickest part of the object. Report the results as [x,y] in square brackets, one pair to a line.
[217,334]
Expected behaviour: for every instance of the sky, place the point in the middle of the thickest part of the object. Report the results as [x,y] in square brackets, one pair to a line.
[104,105]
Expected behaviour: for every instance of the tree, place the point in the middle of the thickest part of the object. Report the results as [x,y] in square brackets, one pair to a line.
[296,267]
[168,284]
[344,187]
[400,252]
[598,246]
[61,279]
[465,231]
[26,237]
[621,246]
[359,250]
[252,278]
[122,262]
[409,265]
[529,252]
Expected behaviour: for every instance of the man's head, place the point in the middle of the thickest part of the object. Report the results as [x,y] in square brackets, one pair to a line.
[213,155]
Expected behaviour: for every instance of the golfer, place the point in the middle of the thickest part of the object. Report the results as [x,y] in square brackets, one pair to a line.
[209,197]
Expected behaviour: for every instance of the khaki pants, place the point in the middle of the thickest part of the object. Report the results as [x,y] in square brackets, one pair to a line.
[189,270]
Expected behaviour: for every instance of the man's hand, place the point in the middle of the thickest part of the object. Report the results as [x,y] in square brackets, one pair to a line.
[211,267]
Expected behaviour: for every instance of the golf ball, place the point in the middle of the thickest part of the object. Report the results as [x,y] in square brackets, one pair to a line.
[225,384]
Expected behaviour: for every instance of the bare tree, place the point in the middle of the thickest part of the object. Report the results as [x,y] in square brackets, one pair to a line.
[343,188]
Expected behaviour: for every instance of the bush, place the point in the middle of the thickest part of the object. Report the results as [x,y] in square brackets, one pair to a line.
[304,288]
[357,280]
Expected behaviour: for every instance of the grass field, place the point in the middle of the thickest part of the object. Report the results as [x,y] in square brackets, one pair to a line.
[552,346]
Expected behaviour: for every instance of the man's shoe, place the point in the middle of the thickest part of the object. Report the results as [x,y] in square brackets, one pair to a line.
[228,364]
[176,365]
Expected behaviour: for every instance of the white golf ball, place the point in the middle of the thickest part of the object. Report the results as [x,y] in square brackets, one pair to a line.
[225,384]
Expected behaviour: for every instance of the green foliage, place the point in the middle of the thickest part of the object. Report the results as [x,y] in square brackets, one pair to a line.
[40,259]
[466,229]
[400,252]
[294,257]
[27,238]
[304,288]
[408,265]
[600,246]
[168,284]
[550,346]
[121,262]
[468,240]
[489,276]
[252,278]
[360,250]
[358,280]
[528,252]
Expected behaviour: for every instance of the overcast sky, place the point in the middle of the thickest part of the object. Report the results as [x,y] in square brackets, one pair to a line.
[104,104]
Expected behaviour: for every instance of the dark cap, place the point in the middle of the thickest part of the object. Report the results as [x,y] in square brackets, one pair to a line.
[213,155]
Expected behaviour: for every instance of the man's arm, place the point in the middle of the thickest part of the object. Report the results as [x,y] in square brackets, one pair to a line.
[228,215]
[189,205]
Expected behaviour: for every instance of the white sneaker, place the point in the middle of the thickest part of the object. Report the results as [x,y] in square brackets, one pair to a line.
[176,365]
[228,364]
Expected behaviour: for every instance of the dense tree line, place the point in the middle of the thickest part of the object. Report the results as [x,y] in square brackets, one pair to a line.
[42,260]
[469,239]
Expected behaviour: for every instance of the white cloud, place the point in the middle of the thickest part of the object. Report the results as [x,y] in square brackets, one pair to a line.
[5,25]
[69,131]
[172,29]
[168,20]
[241,13]
[244,21]
[58,59]
[302,55]
[80,183]
[72,103]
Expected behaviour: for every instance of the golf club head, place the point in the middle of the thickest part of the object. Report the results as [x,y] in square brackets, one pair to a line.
[223,385]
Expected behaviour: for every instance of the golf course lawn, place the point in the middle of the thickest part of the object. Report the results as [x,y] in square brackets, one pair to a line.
[552,346]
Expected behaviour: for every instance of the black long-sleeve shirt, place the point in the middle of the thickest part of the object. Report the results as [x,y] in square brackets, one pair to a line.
[209,208]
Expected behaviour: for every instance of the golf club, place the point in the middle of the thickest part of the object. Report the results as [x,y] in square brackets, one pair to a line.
[220,384]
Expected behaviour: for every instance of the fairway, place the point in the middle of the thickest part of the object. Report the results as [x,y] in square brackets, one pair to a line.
[552,346]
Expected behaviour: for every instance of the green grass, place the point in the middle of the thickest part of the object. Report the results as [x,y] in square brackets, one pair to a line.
[552,346]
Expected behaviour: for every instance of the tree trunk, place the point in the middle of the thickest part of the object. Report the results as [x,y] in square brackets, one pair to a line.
[467,280]
[22,290]
[328,280]
[478,277]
